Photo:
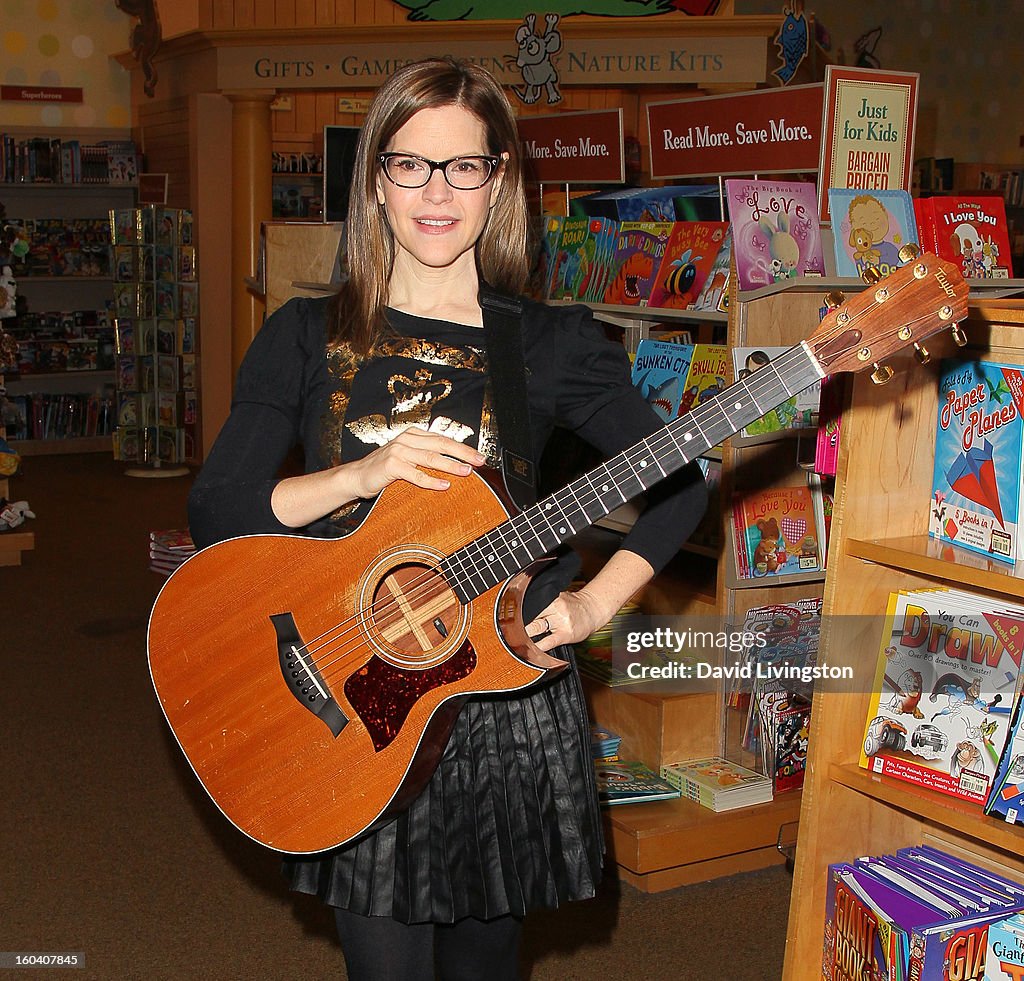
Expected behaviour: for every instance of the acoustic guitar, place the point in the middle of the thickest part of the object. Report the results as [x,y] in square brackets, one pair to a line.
[312,684]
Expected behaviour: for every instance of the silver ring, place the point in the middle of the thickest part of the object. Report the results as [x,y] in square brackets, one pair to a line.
[547,625]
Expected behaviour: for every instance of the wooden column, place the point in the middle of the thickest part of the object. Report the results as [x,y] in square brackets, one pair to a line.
[251,150]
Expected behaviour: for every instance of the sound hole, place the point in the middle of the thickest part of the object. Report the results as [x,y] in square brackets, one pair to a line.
[414,612]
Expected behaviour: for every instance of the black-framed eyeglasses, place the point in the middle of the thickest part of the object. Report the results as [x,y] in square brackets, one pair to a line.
[463,173]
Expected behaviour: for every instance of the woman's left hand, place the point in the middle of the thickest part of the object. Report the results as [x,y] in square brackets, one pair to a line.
[571,617]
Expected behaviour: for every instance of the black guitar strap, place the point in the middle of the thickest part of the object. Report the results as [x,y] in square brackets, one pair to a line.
[503,335]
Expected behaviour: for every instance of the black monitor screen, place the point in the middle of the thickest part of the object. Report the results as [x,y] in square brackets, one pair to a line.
[339,155]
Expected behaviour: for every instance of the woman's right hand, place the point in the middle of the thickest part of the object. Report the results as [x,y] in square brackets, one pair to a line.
[403,459]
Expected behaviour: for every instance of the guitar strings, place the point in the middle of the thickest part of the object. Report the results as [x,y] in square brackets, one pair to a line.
[432,583]
[424,587]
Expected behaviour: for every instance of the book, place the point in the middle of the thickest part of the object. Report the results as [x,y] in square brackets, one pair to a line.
[548,230]
[570,263]
[630,782]
[639,249]
[798,412]
[690,254]
[948,665]
[1006,796]
[869,228]
[599,254]
[979,447]
[778,535]
[717,783]
[775,233]
[660,370]
[715,294]
[1004,949]
[709,373]
[969,231]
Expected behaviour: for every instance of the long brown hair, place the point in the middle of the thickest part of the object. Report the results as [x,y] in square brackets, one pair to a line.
[356,314]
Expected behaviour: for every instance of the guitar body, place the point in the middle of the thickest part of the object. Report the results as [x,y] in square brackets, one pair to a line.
[312,684]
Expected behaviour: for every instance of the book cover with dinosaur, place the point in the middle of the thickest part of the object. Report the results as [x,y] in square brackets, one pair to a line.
[639,249]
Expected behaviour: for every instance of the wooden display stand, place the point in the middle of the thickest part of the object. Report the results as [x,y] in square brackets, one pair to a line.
[298,259]
[879,544]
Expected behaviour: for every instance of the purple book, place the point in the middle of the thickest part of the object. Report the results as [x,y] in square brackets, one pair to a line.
[775,233]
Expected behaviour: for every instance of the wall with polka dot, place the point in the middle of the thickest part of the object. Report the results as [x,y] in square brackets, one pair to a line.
[66,43]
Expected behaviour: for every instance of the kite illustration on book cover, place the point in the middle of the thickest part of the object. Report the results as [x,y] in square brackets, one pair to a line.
[977,478]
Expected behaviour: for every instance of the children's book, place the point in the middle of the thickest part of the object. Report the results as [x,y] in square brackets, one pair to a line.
[779,535]
[969,231]
[569,265]
[689,256]
[1006,798]
[548,231]
[775,234]
[1004,949]
[717,783]
[715,293]
[660,370]
[869,228]
[799,411]
[599,256]
[630,782]
[979,445]
[639,248]
[947,670]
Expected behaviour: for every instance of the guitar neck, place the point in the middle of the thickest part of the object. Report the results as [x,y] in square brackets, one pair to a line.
[514,544]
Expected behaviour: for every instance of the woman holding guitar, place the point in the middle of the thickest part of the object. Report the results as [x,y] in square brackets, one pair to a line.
[388,382]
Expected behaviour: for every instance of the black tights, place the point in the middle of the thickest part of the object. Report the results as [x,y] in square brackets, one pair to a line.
[378,948]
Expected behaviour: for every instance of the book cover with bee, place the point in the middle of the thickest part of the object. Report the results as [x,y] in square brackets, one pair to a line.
[689,257]
[976,482]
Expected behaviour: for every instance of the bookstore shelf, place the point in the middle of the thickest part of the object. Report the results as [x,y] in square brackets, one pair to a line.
[934,559]
[928,805]
[879,545]
[13,544]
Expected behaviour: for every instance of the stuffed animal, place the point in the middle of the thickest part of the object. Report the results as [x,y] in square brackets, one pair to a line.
[766,557]
[14,513]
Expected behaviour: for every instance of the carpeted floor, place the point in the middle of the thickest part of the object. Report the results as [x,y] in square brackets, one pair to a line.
[111,848]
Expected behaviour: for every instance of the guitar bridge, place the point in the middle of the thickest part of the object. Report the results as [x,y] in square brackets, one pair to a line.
[302,676]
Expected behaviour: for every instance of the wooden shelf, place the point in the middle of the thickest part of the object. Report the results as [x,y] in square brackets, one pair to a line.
[51,447]
[939,560]
[671,843]
[928,805]
[13,544]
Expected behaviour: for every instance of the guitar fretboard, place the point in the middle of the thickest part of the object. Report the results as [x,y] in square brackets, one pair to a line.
[540,529]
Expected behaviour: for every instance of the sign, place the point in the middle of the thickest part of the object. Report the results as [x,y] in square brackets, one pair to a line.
[152,189]
[40,93]
[769,131]
[867,131]
[573,147]
[661,60]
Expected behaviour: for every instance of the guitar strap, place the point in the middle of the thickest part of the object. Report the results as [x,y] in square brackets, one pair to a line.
[503,335]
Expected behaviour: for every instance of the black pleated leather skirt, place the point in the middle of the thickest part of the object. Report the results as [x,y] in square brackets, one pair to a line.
[509,821]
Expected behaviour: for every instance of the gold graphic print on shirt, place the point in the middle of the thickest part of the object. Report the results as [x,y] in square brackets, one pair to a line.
[413,401]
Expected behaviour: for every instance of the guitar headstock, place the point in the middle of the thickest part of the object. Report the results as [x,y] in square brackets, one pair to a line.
[919,299]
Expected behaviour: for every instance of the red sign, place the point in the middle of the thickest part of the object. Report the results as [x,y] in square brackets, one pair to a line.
[39,93]
[152,189]
[573,147]
[769,131]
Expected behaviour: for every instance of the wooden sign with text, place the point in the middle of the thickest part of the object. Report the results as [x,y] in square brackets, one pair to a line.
[40,93]
[573,147]
[867,131]
[769,131]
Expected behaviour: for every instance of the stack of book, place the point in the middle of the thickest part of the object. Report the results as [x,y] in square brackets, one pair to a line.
[717,783]
[168,549]
[630,782]
[594,655]
[920,913]
[604,744]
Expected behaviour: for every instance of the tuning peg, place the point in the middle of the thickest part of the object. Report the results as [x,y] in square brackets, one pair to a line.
[922,355]
[959,337]
[909,252]
[871,275]
[834,298]
[882,373]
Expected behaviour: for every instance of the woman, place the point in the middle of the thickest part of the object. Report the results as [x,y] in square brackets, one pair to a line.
[391,377]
